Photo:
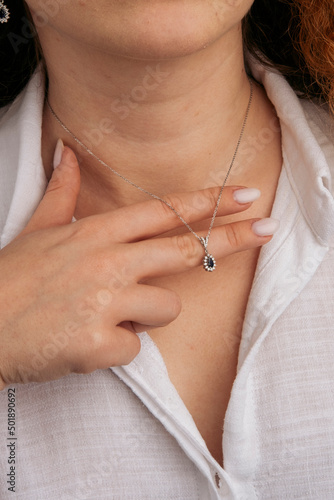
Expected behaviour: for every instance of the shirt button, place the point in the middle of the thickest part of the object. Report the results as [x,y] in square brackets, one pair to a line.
[221,485]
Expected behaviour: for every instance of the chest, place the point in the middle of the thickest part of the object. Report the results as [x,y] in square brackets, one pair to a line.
[200,348]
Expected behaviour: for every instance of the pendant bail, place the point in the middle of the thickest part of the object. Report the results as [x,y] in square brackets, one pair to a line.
[204,242]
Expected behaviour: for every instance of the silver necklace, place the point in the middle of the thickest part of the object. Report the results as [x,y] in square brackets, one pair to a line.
[209,262]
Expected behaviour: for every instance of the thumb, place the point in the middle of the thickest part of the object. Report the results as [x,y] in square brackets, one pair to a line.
[58,203]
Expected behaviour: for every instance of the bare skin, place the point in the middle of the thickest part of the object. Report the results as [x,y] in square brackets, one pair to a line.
[73,295]
[186,59]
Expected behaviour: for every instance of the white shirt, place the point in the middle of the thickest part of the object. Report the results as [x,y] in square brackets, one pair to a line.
[125,433]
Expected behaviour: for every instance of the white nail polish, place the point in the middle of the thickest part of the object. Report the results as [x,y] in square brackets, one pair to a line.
[246,195]
[58,153]
[265,227]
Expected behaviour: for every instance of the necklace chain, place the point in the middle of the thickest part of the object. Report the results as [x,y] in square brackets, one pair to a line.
[208,262]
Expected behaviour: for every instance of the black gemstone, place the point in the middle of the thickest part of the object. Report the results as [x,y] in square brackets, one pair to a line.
[211,263]
[3,12]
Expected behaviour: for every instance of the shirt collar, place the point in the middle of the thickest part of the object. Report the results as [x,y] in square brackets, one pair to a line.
[21,162]
[308,150]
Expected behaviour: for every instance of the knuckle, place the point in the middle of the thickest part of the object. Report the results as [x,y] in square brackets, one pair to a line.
[87,355]
[177,203]
[212,196]
[233,236]
[188,247]
[56,183]
[96,341]
[86,228]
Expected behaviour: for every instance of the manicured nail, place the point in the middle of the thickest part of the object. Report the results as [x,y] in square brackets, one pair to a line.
[246,195]
[58,153]
[265,227]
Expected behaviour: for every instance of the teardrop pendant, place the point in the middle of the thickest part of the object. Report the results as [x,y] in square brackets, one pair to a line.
[209,262]
[4,13]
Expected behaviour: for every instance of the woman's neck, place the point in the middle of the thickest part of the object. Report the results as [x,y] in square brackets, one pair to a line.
[168,125]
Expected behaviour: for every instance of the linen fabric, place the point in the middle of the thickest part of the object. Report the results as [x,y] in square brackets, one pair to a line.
[125,433]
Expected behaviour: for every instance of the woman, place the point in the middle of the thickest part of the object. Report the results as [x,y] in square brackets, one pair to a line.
[163,93]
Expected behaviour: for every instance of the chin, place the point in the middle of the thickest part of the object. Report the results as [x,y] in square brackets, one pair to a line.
[165,47]
[164,29]
[143,29]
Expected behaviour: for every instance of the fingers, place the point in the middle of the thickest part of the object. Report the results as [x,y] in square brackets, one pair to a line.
[134,327]
[166,256]
[147,305]
[138,308]
[104,348]
[58,204]
[120,348]
[153,217]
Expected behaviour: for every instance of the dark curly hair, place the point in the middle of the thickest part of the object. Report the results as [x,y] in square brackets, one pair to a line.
[294,36]
[297,38]
[19,51]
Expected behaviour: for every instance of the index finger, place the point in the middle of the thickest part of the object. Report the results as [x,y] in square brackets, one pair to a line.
[154,217]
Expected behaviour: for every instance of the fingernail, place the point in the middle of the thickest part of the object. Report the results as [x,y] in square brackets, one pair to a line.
[265,227]
[246,195]
[58,153]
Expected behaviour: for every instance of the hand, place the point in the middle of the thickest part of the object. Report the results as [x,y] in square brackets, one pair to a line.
[71,294]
